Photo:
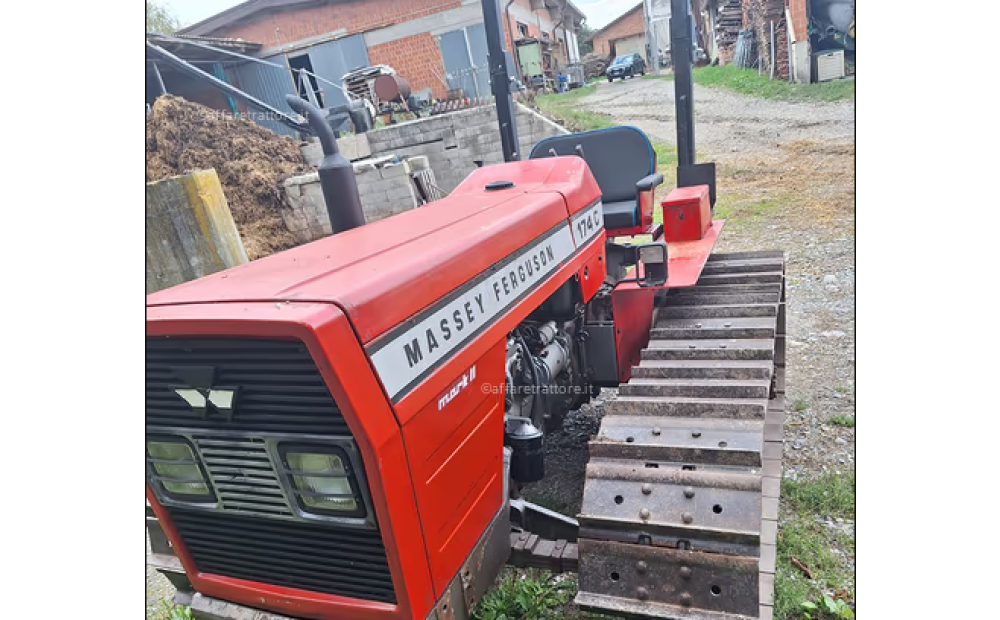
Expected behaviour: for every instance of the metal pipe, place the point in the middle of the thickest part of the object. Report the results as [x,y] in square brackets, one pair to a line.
[500,79]
[229,89]
[771,51]
[682,57]
[336,174]
[159,79]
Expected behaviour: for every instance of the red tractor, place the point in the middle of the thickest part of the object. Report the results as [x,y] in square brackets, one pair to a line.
[341,430]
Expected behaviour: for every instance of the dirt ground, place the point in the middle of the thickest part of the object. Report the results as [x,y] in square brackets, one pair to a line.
[785,181]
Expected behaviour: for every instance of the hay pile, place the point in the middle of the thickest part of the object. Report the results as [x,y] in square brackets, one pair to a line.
[250,160]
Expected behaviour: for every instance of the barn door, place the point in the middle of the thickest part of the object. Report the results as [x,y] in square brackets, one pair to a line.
[331,60]
[464,54]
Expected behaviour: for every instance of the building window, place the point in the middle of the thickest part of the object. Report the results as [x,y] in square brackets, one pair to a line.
[522,29]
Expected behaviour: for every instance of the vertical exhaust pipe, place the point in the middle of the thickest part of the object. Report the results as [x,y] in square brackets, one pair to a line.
[336,174]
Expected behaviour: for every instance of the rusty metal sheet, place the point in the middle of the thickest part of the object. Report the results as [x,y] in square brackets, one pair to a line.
[715,510]
[665,583]
[709,441]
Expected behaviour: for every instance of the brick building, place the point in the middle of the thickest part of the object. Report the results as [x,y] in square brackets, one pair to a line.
[436,45]
[624,35]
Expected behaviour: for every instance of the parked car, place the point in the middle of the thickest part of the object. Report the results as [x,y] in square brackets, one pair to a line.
[630,65]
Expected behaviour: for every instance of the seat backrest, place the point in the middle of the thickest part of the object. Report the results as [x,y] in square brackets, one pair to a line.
[617,156]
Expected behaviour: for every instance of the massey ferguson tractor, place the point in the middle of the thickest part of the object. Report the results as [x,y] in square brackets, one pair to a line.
[342,430]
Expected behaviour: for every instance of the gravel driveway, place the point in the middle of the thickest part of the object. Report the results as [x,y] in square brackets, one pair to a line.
[786,181]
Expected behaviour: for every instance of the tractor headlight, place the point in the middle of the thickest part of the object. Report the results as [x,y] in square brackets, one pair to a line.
[174,467]
[322,480]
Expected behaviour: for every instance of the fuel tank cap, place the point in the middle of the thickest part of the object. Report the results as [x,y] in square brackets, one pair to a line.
[495,185]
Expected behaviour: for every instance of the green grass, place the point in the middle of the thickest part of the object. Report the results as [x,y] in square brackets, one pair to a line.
[169,611]
[562,109]
[813,543]
[842,420]
[829,495]
[747,82]
[532,596]
[662,76]
[800,405]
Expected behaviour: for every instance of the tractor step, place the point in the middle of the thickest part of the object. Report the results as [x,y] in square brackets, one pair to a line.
[721,328]
[626,404]
[703,369]
[680,506]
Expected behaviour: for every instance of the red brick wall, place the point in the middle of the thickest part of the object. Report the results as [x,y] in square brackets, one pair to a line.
[354,17]
[631,25]
[800,19]
[417,58]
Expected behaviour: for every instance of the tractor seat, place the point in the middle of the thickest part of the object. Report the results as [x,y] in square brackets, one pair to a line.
[623,164]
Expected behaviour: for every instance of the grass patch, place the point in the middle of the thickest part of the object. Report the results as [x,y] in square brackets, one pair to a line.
[812,544]
[662,76]
[532,596]
[747,82]
[169,611]
[738,210]
[842,420]
[830,495]
[561,107]
[800,405]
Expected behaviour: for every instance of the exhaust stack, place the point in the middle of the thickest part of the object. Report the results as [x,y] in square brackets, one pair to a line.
[336,174]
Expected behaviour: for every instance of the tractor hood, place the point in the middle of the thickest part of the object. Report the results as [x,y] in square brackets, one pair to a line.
[382,273]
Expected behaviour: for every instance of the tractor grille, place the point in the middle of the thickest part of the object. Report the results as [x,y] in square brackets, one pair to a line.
[281,388]
[253,534]
[243,475]
[288,553]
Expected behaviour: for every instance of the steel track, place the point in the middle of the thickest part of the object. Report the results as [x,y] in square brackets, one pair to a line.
[680,504]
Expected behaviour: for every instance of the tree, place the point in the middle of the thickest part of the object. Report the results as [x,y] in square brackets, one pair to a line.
[159,19]
[585,33]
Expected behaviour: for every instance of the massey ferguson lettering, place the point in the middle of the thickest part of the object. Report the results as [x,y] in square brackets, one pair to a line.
[510,284]
[408,355]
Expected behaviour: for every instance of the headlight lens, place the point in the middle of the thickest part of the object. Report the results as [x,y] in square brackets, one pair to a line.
[177,469]
[322,481]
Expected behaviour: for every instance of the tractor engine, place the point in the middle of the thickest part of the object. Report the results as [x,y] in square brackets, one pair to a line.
[544,380]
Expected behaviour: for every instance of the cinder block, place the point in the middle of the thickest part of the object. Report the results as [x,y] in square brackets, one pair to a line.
[401,194]
[393,171]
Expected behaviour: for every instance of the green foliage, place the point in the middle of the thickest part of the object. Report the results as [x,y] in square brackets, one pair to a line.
[827,608]
[535,596]
[842,420]
[830,494]
[159,19]
[747,82]
[561,108]
[169,611]
[800,405]
[583,37]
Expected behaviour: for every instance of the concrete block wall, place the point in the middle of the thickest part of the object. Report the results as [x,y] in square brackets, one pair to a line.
[385,189]
[190,231]
[453,142]
[353,148]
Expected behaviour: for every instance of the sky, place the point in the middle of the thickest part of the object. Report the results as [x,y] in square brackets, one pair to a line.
[598,12]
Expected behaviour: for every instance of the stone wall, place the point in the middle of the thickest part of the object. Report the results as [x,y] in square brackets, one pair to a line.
[190,231]
[385,188]
[453,142]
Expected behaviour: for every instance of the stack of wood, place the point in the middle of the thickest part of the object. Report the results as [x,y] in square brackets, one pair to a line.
[728,24]
[760,15]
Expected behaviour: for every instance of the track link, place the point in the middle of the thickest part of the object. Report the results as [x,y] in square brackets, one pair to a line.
[680,504]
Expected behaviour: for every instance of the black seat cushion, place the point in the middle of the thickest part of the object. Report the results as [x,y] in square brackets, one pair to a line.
[618,157]
[621,214]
